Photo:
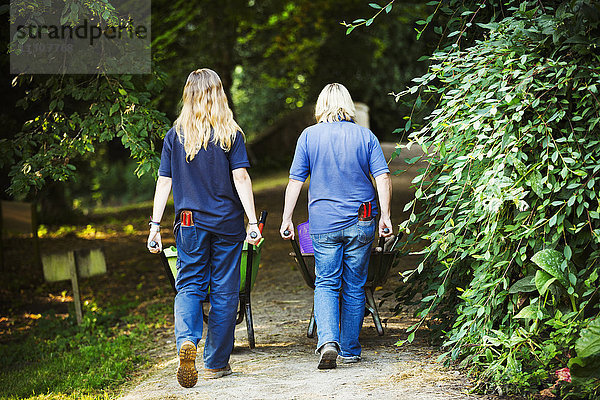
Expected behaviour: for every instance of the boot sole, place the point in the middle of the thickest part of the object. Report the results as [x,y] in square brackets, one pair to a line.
[328,359]
[187,375]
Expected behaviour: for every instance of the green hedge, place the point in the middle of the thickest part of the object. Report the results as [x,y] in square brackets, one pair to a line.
[509,203]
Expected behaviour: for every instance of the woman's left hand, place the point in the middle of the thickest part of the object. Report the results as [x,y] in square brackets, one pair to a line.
[287,230]
[253,235]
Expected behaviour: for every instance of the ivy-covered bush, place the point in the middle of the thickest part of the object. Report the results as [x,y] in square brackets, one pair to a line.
[508,205]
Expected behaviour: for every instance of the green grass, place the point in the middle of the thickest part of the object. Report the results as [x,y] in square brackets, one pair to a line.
[270,181]
[60,360]
[66,396]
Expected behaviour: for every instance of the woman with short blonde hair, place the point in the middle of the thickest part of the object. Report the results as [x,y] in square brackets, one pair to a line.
[201,154]
[335,104]
[340,157]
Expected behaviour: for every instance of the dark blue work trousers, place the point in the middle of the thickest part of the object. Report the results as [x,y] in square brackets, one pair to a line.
[205,260]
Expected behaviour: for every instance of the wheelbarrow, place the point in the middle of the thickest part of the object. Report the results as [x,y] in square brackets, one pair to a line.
[380,263]
[248,270]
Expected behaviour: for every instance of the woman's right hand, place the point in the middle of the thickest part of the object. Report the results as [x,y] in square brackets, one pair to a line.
[287,230]
[385,227]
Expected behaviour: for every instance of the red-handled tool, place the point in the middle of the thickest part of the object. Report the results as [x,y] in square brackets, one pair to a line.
[261,223]
[187,218]
[365,211]
[262,219]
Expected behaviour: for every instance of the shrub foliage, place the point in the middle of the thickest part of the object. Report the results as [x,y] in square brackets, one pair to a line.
[508,205]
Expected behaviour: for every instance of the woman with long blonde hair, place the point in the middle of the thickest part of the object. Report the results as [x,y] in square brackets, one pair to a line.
[204,162]
[340,156]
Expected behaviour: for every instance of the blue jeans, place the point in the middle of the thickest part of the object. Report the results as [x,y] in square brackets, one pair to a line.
[205,260]
[341,266]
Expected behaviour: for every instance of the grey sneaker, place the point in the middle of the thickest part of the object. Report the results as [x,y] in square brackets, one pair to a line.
[348,359]
[328,358]
[217,372]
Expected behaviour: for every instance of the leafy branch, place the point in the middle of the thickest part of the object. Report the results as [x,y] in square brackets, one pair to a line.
[367,22]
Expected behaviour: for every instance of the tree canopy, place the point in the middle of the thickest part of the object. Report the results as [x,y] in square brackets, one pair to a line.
[273,56]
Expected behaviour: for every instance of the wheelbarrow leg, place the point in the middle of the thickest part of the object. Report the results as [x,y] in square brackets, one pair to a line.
[312,325]
[204,316]
[372,307]
[250,325]
[241,311]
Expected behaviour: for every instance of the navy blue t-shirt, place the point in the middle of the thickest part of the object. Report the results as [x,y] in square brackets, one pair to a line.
[205,184]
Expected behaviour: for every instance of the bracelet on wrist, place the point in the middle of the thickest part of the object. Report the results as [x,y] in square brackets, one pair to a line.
[252,223]
[153,223]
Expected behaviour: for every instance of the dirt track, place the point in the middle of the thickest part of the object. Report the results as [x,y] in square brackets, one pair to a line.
[283,364]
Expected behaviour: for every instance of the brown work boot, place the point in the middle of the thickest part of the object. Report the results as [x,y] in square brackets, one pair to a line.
[217,372]
[187,375]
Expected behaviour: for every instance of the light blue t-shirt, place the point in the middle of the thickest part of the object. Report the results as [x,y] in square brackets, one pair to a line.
[339,157]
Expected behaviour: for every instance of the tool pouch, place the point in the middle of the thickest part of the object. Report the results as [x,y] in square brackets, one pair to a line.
[365,211]
[187,218]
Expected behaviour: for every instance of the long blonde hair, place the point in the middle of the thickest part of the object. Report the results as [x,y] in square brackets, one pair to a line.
[204,110]
[335,104]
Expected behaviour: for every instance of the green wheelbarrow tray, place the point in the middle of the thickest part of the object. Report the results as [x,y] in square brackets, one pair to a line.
[247,278]
[380,264]
[171,255]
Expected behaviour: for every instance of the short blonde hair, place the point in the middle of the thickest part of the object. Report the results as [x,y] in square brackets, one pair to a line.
[335,104]
[204,113]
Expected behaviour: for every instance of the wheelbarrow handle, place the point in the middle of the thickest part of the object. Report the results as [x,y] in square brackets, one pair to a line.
[250,255]
[168,271]
[398,237]
[166,266]
[261,224]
